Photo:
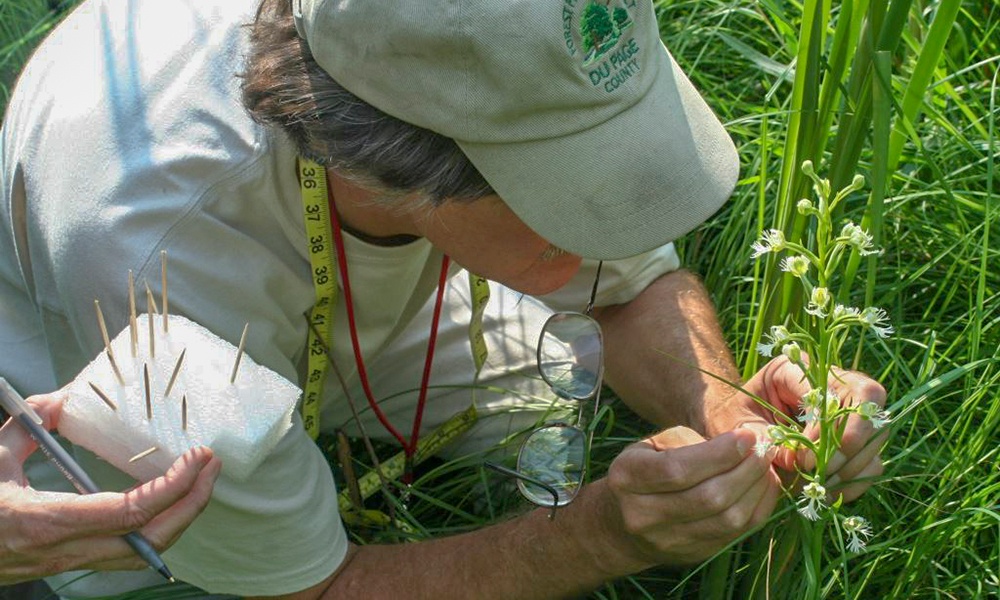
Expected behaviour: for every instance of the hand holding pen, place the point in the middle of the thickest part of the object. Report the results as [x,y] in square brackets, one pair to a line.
[48,532]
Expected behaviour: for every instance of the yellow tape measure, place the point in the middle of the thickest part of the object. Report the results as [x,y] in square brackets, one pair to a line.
[479,289]
[369,483]
[312,184]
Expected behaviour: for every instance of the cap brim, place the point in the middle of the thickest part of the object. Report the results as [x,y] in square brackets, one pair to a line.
[643,178]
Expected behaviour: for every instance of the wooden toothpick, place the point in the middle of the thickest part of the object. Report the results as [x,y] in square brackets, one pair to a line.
[184,412]
[101,324]
[151,307]
[149,400]
[114,367]
[239,353]
[107,343]
[152,338]
[163,277]
[143,454]
[173,376]
[150,312]
[132,325]
[100,394]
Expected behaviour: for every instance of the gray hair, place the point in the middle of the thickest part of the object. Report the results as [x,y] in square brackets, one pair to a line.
[283,86]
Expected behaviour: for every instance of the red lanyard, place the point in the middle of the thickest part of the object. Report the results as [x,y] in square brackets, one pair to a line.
[408,447]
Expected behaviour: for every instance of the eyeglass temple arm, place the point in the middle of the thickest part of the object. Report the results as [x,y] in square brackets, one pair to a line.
[593,290]
[548,488]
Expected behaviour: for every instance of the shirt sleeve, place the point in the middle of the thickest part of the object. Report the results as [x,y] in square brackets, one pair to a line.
[621,280]
[275,533]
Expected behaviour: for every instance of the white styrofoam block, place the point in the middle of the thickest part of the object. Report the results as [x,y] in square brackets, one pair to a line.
[241,422]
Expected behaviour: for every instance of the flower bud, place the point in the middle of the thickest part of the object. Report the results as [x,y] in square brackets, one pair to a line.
[804,206]
[775,436]
[832,402]
[792,351]
[807,168]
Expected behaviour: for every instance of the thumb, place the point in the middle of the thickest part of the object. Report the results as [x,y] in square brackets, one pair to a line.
[49,407]
[757,426]
[675,437]
[15,438]
[780,457]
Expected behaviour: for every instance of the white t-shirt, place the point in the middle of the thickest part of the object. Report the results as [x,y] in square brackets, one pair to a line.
[126,136]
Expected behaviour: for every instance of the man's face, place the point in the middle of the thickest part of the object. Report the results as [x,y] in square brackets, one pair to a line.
[488,239]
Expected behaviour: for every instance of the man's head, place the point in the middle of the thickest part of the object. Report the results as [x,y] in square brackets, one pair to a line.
[571,110]
[284,86]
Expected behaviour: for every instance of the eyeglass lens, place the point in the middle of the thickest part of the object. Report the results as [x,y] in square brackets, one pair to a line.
[570,355]
[555,455]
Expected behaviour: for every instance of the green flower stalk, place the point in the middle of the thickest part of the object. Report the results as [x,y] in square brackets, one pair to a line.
[813,342]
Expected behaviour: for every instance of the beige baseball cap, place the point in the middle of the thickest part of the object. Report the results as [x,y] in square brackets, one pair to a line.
[573,110]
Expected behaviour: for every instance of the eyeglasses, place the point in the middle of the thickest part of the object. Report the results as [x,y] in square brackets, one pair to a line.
[552,461]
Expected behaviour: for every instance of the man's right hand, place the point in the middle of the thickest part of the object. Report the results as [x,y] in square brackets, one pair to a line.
[43,533]
[683,498]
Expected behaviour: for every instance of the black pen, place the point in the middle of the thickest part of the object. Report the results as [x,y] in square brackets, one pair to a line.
[19,410]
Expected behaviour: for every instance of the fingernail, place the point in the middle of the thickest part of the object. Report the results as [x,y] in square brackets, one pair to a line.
[743,446]
[201,456]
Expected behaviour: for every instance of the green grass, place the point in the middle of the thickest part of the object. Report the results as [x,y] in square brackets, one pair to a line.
[23,23]
[935,510]
[915,110]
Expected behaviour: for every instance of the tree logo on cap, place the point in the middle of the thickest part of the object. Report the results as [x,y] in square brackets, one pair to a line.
[600,29]
[600,36]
